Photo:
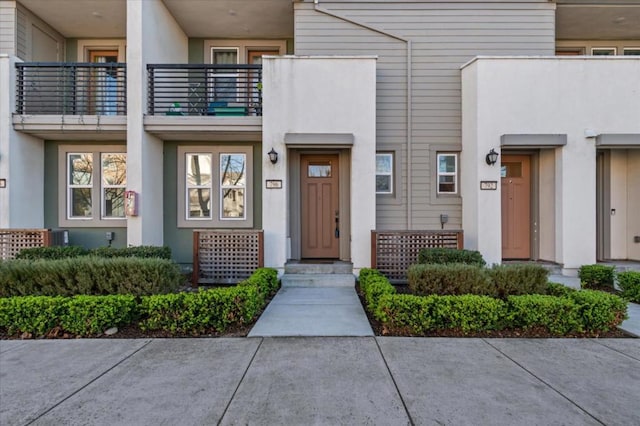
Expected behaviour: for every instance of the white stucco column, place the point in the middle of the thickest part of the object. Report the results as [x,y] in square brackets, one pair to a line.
[21,161]
[319,95]
[153,36]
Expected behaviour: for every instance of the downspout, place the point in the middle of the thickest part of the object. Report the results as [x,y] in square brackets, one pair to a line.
[409,128]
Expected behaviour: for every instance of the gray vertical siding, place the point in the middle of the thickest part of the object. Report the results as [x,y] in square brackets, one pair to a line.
[443,36]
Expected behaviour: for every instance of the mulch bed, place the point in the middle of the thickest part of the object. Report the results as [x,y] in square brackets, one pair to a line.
[380,330]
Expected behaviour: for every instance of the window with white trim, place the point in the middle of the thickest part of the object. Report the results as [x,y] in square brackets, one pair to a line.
[384,173]
[447,174]
[215,186]
[93,182]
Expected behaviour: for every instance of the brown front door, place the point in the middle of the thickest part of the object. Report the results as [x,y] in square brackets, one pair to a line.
[516,206]
[319,210]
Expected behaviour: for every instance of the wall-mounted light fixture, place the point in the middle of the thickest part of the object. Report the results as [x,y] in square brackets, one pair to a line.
[491,157]
[273,156]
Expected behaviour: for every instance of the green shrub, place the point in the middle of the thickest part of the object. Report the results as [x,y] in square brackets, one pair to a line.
[88,275]
[373,286]
[454,279]
[558,315]
[518,279]
[31,314]
[629,282]
[557,289]
[599,311]
[51,253]
[145,252]
[420,314]
[265,280]
[446,256]
[596,276]
[196,313]
[91,315]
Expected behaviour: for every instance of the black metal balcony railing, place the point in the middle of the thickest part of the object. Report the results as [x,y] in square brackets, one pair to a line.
[71,88]
[201,89]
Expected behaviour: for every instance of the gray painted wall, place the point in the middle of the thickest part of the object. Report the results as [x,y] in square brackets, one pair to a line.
[442,37]
[86,237]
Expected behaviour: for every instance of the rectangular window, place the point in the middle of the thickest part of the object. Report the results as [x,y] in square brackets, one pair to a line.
[384,173]
[92,182]
[603,51]
[233,183]
[632,51]
[114,182]
[447,173]
[216,186]
[224,81]
[198,180]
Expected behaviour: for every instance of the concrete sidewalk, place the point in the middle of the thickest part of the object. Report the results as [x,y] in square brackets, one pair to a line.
[340,380]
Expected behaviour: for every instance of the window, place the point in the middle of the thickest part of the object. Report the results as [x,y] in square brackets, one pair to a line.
[384,173]
[216,186]
[447,173]
[631,51]
[224,82]
[603,51]
[93,182]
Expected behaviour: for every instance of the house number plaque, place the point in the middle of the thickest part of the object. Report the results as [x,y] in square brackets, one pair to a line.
[488,185]
[274,184]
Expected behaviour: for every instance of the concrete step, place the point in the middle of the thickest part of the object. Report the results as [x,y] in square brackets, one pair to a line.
[318,268]
[318,280]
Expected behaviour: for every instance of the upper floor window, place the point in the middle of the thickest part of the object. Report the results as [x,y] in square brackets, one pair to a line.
[384,173]
[631,51]
[447,175]
[603,51]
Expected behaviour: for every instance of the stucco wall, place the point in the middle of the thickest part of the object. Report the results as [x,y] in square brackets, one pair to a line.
[633,203]
[548,96]
[153,36]
[319,95]
[21,161]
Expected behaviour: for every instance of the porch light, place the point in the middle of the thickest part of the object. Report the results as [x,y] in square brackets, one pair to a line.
[491,157]
[273,156]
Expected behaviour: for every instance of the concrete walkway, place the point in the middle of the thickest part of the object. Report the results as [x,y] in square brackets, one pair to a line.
[322,381]
[313,311]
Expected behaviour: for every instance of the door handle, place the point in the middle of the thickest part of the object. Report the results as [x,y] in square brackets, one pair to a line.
[336,233]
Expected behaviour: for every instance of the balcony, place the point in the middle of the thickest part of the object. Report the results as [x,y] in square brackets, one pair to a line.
[71,98]
[193,100]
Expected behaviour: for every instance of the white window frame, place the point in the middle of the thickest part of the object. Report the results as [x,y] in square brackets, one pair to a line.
[222,186]
[187,187]
[624,50]
[215,220]
[391,182]
[454,173]
[97,219]
[103,186]
[216,75]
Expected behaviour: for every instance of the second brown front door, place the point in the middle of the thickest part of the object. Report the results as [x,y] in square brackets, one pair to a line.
[516,206]
[319,200]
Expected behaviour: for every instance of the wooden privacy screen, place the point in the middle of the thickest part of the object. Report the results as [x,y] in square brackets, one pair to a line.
[226,257]
[14,240]
[392,252]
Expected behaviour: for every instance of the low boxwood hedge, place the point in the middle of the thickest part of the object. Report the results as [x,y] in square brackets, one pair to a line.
[178,313]
[566,312]
[446,256]
[596,276]
[629,283]
[457,279]
[59,252]
[89,275]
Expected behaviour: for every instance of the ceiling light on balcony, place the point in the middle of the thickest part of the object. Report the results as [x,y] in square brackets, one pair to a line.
[96,14]
[619,20]
[232,12]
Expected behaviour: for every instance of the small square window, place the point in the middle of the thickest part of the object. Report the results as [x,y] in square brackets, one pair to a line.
[384,173]
[447,173]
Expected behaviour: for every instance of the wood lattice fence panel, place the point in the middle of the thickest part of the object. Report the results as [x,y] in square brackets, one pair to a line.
[392,252]
[226,257]
[12,241]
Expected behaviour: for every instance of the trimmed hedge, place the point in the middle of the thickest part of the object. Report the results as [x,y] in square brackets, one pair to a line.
[458,279]
[55,253]
[567,311]
[186,313]
[88,275]
[446,256]
[629,283]
[596,276]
